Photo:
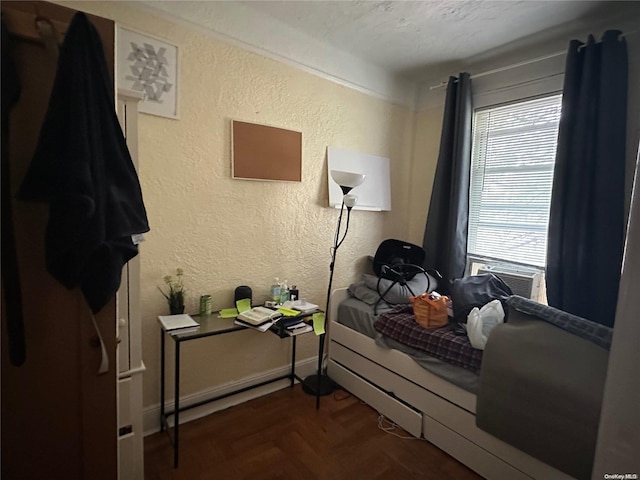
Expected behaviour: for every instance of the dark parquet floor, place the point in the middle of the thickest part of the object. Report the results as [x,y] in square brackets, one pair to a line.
[283,436]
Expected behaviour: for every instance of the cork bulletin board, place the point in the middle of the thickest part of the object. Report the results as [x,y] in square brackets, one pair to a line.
[261,152]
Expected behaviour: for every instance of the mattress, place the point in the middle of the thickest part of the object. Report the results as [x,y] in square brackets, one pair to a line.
[359,316]
[541,391]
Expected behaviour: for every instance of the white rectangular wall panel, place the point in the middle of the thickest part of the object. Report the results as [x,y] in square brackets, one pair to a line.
[375,192]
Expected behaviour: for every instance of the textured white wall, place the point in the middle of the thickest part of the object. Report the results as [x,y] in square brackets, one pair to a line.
[226,232]
[253,30]
[428,127]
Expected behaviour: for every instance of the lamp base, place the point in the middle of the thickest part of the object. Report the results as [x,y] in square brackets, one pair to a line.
[321,384]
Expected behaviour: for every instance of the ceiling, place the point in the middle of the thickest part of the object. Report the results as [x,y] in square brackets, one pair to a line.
[412,40]
[405,37]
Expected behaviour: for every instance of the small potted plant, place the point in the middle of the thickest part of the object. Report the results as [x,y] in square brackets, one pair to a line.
[176,292]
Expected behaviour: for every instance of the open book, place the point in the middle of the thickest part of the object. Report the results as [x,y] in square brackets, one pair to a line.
[258,315]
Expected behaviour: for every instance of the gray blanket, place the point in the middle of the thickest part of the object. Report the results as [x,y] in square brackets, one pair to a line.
[541,391]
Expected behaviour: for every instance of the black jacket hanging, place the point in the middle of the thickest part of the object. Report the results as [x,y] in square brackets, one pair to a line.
[83,169]
[10,273]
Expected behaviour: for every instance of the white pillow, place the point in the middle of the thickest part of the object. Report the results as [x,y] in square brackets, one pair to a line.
[481,321]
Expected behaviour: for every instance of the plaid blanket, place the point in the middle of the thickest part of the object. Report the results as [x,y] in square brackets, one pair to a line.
[441,343]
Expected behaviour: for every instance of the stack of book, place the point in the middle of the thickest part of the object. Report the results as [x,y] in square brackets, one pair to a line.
[298,328]
[260,318]
[302,306]
[178,323]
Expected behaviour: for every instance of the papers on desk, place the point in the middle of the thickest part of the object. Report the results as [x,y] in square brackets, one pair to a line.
[301,305]
[289,312]
[243,305]
[228,313]
[318,323]
[263,327]
[172,323]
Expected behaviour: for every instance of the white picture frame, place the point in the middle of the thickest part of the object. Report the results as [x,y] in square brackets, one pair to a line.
[149,65]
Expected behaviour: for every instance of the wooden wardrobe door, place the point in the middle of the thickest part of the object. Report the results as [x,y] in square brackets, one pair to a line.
[58,414]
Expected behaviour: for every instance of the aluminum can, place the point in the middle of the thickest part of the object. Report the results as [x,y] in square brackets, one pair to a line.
[205,305]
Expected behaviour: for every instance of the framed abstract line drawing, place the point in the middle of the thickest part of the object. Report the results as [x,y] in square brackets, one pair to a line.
[149,65]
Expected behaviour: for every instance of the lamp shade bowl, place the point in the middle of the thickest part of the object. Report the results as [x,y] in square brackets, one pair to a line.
[347,180]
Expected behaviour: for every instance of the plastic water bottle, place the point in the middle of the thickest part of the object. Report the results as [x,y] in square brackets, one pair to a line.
[275,290]
[284,292]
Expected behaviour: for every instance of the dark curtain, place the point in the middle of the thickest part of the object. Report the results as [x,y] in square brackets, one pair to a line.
[445,236]
[587,220]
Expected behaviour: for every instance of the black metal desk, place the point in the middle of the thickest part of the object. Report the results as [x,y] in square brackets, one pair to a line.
[209,326]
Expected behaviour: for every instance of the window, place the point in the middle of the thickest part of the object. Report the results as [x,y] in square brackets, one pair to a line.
[512,161]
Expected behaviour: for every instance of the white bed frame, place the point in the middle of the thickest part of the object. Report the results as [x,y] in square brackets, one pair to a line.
[422,403]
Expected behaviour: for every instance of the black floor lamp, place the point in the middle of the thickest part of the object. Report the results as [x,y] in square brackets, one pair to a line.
[320,384]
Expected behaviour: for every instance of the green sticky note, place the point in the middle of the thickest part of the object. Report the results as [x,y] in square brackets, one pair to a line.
[288,312]
[228,313]
[318,323]
[243,305]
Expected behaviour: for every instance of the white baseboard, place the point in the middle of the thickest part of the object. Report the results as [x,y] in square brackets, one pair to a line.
[151,421]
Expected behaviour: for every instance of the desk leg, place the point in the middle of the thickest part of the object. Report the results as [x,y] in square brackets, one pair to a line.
[293,361]
[176,416]
[321,350]
[162,380]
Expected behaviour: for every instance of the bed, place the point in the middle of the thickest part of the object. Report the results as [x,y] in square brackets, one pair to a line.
[437,401]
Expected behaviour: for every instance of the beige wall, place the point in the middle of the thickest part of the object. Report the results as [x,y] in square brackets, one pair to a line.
[426,146]
[226,232]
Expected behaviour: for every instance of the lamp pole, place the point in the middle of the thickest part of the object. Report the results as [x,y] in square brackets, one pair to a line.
[320,384]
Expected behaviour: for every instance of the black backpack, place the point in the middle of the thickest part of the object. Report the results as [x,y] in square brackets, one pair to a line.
[476,291]
[398,260]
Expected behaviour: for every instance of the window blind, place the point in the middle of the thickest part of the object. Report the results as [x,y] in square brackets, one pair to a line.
[513,155]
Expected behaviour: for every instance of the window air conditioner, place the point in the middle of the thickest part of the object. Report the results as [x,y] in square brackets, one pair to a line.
[527,284]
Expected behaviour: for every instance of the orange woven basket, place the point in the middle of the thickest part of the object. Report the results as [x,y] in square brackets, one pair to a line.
[430,312]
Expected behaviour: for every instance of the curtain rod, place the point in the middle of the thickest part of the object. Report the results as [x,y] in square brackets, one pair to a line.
[520,64]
